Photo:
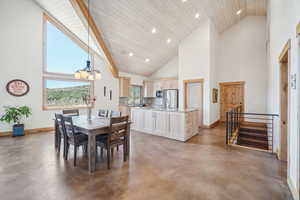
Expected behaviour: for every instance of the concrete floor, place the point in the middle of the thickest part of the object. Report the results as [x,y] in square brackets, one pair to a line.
[202,168]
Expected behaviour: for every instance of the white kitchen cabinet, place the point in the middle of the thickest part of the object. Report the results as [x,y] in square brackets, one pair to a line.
[173,84]
[177,126]
[148,121]
[180,125]
[157,86]
[169,84]
[137,119]
[195,121]
[149,89]
[161,123]
[152,86]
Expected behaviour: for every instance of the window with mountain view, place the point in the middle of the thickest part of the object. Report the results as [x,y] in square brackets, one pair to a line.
[65,94]
[63,56]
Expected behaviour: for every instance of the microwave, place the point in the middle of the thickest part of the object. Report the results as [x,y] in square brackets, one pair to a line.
[159,93]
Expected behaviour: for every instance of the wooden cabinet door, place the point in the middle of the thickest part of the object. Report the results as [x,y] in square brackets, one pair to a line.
[124,86]
[232,94]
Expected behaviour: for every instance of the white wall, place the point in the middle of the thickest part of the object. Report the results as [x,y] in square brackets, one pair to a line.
[283,18]
[168,70]
[134,78]
[243,57]
[214,70]
[194,63]
[21,49]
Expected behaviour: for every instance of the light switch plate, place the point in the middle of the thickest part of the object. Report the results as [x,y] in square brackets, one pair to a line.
[294,81]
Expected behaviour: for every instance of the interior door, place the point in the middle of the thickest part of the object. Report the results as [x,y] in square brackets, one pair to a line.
[195,99]
[232,94]
[284,106]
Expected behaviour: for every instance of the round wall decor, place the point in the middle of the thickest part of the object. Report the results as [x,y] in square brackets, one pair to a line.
[17,87]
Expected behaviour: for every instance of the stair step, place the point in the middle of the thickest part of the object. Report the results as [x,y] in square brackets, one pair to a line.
[253,145]
[253,135]
[253,130]
[254,124]
[254,127]
[253,140]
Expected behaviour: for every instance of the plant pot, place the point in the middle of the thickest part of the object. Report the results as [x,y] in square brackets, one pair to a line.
[18,130]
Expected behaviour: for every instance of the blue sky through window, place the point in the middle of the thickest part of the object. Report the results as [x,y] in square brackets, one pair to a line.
[63,55]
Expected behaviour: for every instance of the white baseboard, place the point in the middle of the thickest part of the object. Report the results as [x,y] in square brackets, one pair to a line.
[293,189]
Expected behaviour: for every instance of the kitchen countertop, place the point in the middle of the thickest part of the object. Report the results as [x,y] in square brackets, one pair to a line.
[167,110]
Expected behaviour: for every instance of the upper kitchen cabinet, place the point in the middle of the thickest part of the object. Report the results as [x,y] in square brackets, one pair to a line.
[149,89]
[157,86]
[169,84]
[152,86]
[124,84]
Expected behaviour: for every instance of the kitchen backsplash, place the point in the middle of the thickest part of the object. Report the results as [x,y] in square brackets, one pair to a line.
[157,102]
[152,102]
[123,101]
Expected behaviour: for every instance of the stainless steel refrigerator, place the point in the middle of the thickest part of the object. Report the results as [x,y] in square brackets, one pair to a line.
[170,99]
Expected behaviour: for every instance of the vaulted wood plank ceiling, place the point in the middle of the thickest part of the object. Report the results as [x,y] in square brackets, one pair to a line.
[127,26]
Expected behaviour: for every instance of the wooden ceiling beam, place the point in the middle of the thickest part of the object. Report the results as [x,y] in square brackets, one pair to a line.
[284,53]
[79,5]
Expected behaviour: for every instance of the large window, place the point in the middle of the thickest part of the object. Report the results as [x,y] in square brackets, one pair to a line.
[135,95]
[63,55]
[65,93]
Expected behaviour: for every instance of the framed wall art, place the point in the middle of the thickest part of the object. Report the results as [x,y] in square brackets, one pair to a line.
[215,95]
[17,87]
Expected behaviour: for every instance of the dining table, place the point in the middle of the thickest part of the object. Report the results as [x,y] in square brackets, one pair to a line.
[93,127]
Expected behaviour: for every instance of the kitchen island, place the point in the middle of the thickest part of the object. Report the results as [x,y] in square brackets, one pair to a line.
[174,124]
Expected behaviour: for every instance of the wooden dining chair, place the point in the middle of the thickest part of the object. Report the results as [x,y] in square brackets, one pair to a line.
[74,138]
[59,134]
[103,113]
[74,112]
[118,135]
[115,114]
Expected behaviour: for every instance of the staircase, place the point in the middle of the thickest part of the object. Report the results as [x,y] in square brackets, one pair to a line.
[254,135]
[251,130]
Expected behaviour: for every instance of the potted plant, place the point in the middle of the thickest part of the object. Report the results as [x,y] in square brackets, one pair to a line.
[15,114]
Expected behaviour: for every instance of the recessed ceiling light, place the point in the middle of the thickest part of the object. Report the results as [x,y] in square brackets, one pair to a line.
[239,12]
[147,60]
[169,40]
[183,1]
[153,30]
[197,15]
[131,54]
